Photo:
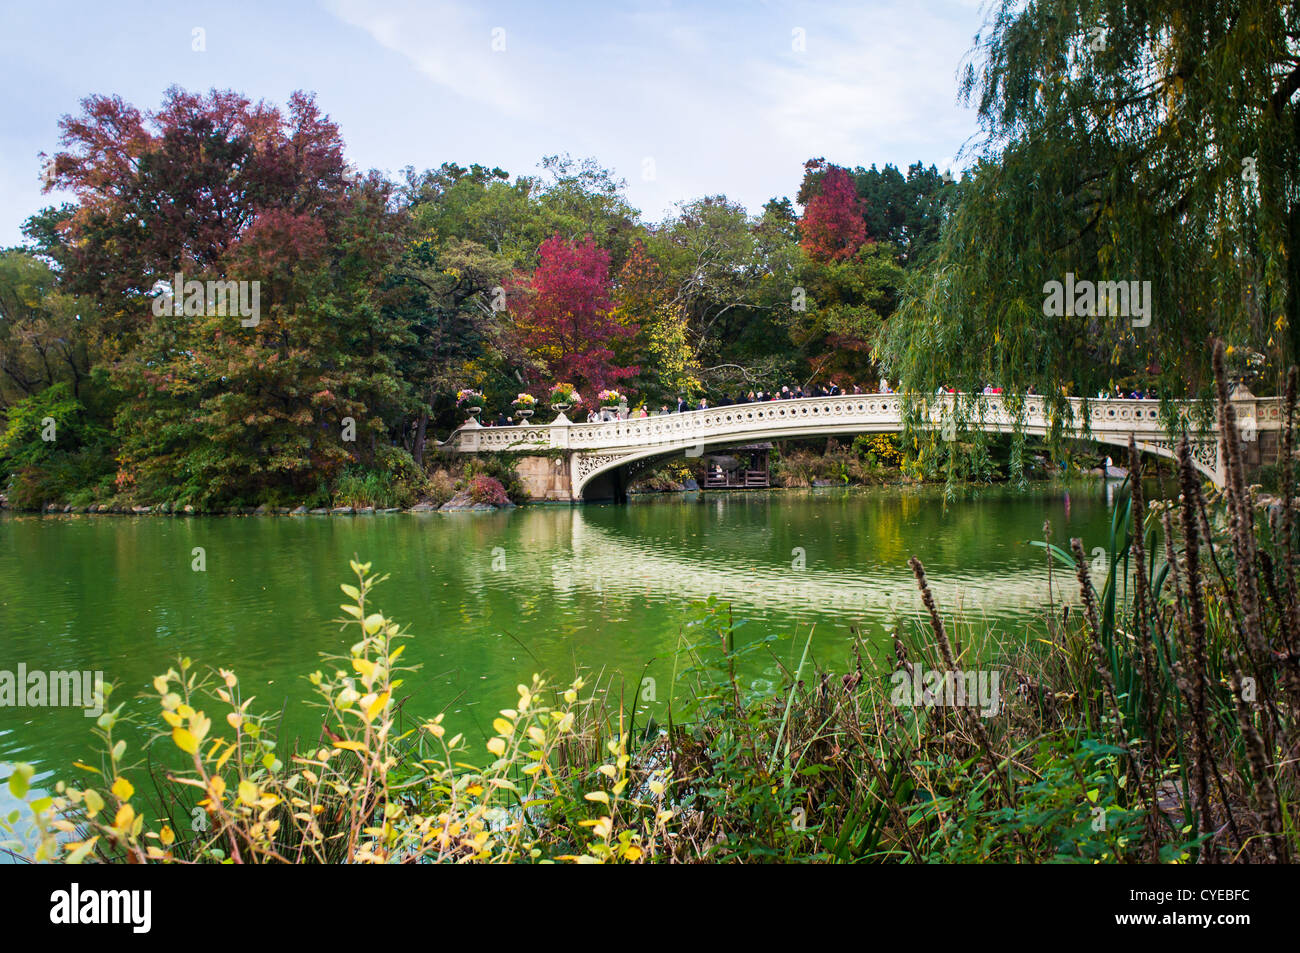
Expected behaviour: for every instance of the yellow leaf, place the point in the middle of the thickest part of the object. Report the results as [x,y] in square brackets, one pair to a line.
[350,746]
[184,740]
[78,855]
[166,836]
[122,789]
[497,746]
[94,803]
[248,793]
[125,817]
[376,706]
[600,796]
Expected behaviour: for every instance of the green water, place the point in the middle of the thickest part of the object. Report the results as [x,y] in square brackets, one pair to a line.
[493,598]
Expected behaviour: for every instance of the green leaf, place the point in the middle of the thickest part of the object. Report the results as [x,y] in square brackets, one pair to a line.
[20,780]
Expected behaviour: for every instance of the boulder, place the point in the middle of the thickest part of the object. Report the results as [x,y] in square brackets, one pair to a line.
[321,511]
[298,511]
[462,503]
[342,511]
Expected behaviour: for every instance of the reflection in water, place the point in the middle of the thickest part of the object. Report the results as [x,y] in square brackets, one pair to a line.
[492,598]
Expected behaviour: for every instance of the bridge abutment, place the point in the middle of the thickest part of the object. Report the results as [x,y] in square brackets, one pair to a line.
[547,479]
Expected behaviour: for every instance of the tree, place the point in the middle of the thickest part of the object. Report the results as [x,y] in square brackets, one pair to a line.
[905,212]
[1155,142]
[644,296]
[44,338]
[220,189]
[566,316]
[847,304]
[832,228]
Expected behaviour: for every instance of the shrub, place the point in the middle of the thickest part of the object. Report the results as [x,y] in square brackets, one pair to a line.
[881,448]
[442,487]
[485,489]
[501,467]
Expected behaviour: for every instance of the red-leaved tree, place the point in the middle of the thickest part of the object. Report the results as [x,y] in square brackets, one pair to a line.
[567,318]
[832,227]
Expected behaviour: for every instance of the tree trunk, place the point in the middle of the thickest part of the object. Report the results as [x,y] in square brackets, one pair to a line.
[418,454]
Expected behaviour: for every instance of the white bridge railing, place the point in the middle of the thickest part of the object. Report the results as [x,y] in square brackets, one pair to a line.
[593,448]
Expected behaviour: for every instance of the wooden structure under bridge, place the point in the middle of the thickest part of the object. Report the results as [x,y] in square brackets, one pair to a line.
[744,467]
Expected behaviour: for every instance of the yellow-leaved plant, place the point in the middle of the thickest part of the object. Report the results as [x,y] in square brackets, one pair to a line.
[370,793]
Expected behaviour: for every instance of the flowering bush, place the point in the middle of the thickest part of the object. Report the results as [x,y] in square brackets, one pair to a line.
[610,398]
[525,400]
[564,394]
[485,489]
[469,396]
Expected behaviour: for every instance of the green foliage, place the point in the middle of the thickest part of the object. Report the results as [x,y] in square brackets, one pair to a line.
[53,449]
[1152,142]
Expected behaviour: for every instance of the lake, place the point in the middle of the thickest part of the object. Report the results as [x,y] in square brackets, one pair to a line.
[492,598]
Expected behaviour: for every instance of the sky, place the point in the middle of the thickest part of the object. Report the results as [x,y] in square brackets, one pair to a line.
[679,99]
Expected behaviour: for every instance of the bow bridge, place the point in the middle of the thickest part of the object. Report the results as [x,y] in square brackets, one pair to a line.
[570,461]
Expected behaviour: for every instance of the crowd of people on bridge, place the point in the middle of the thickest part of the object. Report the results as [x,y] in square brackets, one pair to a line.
[791,392]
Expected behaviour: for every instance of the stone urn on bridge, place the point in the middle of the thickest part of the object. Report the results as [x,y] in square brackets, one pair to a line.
[563,396]
[525,406]
[472,401]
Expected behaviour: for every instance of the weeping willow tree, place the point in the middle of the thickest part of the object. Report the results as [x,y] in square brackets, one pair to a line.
[1153,141]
